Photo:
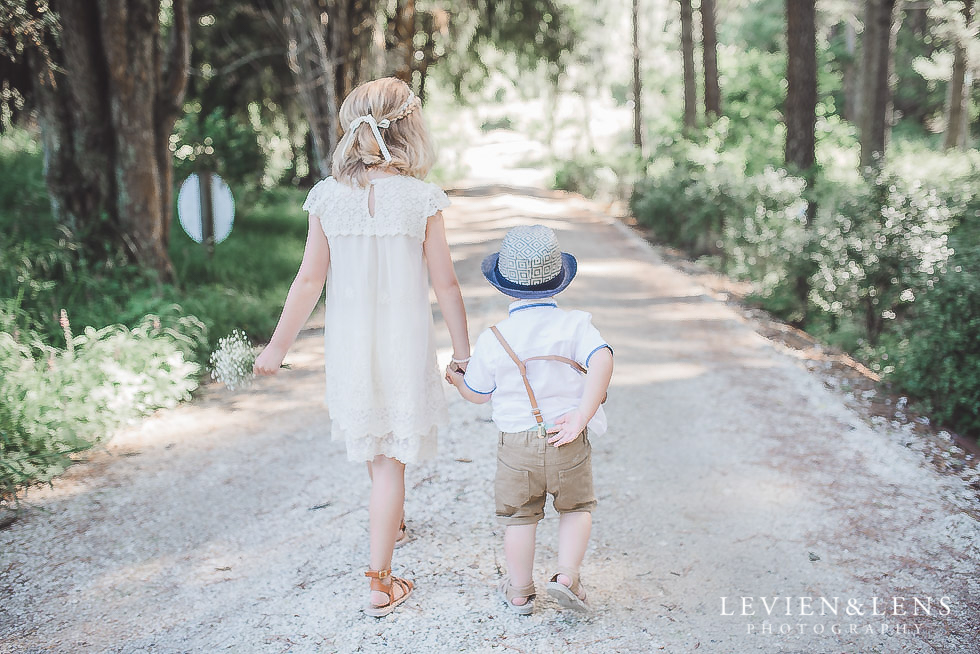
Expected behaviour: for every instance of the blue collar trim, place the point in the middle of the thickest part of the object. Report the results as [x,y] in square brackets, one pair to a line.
[531,306]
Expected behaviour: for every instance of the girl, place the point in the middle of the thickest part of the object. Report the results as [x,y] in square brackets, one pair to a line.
[376,233]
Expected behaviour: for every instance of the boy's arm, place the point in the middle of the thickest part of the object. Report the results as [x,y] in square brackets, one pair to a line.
[596,383]
[456,378]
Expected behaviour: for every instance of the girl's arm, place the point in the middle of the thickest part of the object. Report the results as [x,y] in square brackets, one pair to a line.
[300,302]
[442,276]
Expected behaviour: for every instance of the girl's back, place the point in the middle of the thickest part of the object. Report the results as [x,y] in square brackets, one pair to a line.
[384,391]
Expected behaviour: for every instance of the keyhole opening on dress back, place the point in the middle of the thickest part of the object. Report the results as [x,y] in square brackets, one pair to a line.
[370,199]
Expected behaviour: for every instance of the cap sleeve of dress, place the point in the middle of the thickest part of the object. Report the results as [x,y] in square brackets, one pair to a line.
[320,199]
[435,200]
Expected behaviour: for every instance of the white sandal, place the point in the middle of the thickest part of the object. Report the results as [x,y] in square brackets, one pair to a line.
[508,593]
[568,596]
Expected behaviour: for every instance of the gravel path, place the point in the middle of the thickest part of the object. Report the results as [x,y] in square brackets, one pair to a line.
[234,524]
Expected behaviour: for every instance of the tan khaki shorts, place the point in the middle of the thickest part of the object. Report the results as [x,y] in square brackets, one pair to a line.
[529,469]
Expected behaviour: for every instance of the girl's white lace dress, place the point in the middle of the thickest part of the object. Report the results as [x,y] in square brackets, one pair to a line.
[384,390]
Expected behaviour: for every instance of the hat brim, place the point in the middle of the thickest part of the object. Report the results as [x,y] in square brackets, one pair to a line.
[569,266]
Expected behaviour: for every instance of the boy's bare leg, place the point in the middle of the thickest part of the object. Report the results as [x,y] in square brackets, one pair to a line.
[574,529]
[519,551]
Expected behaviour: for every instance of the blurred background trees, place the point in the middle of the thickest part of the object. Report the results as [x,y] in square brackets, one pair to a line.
[831,163]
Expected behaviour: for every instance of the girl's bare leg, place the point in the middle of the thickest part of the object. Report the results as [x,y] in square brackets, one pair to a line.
[385,509]
[371,475]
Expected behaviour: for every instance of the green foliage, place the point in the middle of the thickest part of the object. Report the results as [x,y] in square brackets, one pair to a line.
[55,401]
[599,176]
[884,280]
[754,94]
[879,248]
[760,26]
[939,357]
[504,122]
[227,146]
[61,395]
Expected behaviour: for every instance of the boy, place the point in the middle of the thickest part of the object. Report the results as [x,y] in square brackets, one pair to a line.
[545,408]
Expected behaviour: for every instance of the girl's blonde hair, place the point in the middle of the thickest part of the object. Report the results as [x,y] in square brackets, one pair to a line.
[406,136]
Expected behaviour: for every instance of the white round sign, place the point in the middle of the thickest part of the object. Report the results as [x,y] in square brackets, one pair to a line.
[189,208]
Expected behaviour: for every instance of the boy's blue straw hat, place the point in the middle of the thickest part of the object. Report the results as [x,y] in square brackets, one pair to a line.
[529,264]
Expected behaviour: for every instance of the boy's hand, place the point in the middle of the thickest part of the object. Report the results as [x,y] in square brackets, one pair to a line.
[454,374]
[570,426]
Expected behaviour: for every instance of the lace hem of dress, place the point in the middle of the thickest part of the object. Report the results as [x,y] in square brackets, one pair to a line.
[408,447]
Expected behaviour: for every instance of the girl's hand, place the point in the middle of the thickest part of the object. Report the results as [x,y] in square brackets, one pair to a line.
[454,373]
[268,362]
[571,425]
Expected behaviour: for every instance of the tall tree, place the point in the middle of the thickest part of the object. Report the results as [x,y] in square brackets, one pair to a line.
[107,94]
[852,89]
[957,109]
[879,40]
[687,52]
[637,83]
[801,116]
[712,91]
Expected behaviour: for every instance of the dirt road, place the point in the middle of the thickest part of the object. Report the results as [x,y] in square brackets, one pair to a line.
[730,476]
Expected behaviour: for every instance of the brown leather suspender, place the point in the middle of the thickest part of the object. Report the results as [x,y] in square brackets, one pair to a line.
[522,367]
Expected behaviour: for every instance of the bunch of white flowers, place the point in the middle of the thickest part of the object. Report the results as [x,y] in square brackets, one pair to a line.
[232,362]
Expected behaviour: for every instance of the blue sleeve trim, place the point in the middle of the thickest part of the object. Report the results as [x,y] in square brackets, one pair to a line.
[589,358]
[476,391]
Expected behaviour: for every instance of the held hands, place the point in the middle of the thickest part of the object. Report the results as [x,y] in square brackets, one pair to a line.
[268,362]
[454,373]
[570,426]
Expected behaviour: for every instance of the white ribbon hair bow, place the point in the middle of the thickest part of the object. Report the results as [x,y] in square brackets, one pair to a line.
[369,119]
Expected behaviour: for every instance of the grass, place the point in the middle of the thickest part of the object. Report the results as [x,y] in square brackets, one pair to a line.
[42,270]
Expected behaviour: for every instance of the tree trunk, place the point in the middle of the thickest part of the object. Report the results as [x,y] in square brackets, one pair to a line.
[801,91]
[400,43]
[801,118]
[637,84]
[712,92]
[687,50]
[879,38]
[852,90]
[106,115]
[958,94]
[314,75]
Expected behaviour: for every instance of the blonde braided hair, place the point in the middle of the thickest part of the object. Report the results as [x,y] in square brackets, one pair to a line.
[406,136]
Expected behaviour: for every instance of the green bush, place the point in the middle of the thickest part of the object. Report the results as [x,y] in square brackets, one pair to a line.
[938,360]
[58,395]
[227,146]
[607,176]
[880,245]
[767,240]
[58,401]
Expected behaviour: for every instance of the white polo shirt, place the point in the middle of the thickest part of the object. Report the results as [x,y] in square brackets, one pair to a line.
[536,328]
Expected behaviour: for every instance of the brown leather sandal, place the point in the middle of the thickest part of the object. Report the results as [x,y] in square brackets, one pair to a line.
[568,596]
[508,593]
[377,583]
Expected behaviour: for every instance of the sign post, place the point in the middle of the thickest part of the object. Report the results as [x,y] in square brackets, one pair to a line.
[207,212]
[206,209]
